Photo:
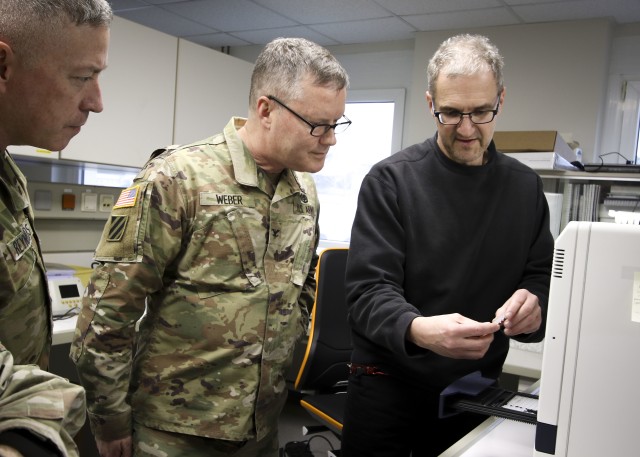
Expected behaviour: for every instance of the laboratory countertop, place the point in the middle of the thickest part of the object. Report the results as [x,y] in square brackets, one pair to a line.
[497,437]
[63,330]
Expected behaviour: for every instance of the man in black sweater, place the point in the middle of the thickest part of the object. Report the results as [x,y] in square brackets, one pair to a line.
[450,256]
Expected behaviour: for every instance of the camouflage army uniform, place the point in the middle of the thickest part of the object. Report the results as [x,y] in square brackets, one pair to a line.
[40,402]
[25,316]
[227,264]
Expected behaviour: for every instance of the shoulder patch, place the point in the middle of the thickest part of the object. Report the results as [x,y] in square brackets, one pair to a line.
[117,227]
[127,198]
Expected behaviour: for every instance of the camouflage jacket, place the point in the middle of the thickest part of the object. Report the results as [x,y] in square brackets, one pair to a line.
[225,263]
[45,404]
[25,310]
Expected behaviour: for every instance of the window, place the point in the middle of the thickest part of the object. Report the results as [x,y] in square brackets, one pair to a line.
[630,121]
[375,134]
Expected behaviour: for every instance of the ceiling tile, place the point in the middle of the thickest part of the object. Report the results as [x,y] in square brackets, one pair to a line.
[489,17]
[406,7]
[623,11]
[369,31]
[164,21]
[229,16]
[321,11]
[265,35]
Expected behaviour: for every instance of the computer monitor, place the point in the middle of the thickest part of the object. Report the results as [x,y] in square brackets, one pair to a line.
[590,383]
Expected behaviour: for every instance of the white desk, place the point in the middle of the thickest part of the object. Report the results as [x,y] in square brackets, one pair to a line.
[497,437]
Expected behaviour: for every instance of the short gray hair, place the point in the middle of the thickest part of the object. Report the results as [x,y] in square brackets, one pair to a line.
[285,62]
[465,55]
[26,24]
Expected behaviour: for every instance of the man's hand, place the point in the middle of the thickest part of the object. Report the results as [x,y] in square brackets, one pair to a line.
[522,312]
[115,448]
[452,335]
[8,451]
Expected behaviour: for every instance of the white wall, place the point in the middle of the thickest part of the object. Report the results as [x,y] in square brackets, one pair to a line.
[210,88]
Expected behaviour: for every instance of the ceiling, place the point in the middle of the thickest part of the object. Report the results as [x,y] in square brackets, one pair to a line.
[229,23]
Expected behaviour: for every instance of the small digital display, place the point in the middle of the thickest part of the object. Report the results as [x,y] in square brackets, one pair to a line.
[69,291]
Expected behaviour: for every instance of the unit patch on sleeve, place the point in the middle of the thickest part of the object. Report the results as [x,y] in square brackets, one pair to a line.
[127,198]
[116,227]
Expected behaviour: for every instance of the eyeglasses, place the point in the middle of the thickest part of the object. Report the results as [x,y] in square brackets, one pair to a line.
[317,130]
[477,117]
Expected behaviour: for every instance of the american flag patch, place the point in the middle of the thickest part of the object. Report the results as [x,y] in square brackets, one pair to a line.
[127,198]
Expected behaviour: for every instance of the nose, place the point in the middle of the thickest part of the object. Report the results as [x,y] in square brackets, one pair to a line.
[466,124]
[93,99]
[329,138]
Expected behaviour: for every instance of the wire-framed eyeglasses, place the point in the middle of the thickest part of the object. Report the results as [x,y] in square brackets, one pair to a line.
[317,130]
[453,117]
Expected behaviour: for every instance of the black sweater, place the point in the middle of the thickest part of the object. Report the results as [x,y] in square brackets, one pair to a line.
[434,237]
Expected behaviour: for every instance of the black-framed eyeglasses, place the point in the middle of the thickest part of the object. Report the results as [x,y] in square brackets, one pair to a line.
[317,130]
[477,117]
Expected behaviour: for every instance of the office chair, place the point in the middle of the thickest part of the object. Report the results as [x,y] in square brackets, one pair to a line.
[324,371]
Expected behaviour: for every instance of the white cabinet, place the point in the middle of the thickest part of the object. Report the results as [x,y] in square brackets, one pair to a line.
[211,87]
[138,92]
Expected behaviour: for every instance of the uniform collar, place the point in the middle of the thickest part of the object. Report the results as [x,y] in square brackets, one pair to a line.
[245,167]
[14,182]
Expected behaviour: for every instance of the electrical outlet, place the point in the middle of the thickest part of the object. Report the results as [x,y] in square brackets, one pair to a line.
[89,202]
[106,203]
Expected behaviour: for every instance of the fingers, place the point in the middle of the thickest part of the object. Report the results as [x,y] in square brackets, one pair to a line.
[453,335]
[520,314]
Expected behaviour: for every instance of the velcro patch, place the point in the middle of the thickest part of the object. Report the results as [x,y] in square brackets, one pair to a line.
[116,227]
[127,198]
[22,242]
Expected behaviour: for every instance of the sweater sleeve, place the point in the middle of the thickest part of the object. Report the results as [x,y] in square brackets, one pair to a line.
[537,274]
[377,306]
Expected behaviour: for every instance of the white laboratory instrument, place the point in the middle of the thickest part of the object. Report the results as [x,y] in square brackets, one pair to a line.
[65,287]
[589,390]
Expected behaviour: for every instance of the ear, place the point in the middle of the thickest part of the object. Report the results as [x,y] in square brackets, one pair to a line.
[429,98]
[264,110]
[6,62]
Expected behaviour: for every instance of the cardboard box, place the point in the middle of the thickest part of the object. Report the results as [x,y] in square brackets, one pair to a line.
[547,144]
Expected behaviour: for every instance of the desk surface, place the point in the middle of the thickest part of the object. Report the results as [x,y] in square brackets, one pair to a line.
[497,437]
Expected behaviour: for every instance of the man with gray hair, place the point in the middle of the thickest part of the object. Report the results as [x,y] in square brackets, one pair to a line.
[450,256]
[212,252]
[51,53]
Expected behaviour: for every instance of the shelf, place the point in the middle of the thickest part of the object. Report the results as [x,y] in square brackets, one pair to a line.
[588,176]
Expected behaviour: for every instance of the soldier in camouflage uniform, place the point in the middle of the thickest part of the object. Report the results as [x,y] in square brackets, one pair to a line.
[44,404]
[206,274]
[51,53]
